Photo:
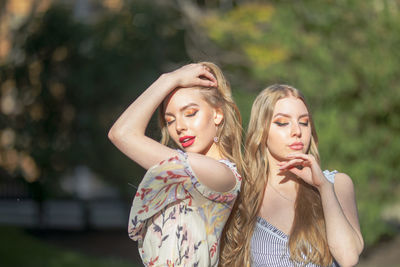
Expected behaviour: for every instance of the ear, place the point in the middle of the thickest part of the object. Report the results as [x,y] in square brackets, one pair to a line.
[218,116]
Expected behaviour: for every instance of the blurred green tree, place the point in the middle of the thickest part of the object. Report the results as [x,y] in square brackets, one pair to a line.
[67,81]
[344,56]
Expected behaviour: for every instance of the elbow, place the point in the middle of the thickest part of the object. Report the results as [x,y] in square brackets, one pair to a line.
[349,259]
[112,135]
[348,255]
[115,135]
[120,137]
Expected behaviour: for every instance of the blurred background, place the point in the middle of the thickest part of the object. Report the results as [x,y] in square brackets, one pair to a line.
[68,68]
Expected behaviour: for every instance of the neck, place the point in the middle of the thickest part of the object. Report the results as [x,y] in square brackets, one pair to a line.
[214,152]
[280,179]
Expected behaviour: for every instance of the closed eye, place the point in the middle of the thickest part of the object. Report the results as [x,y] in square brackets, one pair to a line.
[281,123]
[191,113]
[169,121]
[304,122]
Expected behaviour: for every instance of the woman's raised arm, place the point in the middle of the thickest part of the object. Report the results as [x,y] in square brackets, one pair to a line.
[128,132]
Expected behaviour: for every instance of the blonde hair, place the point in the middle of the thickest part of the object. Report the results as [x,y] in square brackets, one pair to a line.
[229,131]
[307,240]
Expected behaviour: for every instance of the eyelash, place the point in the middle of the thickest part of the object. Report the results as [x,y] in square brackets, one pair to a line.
[192,114]
[280,124]
[187,115]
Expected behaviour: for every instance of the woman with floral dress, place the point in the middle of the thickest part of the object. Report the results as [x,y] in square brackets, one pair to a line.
[186,196]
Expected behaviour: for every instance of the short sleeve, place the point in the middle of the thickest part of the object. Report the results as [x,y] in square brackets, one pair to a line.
[225,197]
[163,184]
[330,175]
[169,181]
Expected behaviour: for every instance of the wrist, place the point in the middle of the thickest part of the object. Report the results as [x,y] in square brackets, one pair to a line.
[325,186]
[168,80]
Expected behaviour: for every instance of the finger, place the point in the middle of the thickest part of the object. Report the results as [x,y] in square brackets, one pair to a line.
[309,160]
[299,165]
[210,77]
[285,164]
[307,157]
[291,164]
[205,83]
[206,68]
[292,155]
[206,72]
[294,161]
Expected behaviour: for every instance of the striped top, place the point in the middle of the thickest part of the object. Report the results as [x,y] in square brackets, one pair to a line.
[269,245]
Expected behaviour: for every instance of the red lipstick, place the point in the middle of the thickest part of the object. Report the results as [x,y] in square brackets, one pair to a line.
[296,146]
[186,140]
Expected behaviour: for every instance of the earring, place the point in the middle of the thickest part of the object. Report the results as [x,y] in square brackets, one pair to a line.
[216,139]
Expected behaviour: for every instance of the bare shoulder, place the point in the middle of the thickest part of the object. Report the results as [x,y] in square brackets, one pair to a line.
[208,164]
[212,172]
[342,178]
[344,185]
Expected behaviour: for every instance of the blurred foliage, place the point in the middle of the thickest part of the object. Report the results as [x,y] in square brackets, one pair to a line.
[344,56]
[68,79]
[37,253]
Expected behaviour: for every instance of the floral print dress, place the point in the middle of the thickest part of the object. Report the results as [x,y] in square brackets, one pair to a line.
[177,220]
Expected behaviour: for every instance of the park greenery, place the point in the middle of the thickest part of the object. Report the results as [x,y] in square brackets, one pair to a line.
[22,249]
[344,57]
[72,78]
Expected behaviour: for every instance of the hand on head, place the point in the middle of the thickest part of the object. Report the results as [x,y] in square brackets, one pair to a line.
[193,75]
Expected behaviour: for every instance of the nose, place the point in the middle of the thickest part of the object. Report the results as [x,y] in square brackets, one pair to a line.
[180,125]
[296,130]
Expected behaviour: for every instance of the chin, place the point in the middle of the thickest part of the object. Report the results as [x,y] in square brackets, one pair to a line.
[190,149]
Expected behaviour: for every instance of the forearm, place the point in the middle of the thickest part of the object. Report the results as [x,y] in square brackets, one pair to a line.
[136,117]
[344,241]
[128,132]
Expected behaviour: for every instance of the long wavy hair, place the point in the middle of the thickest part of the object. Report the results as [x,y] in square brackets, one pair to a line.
[229,131]
[307,239]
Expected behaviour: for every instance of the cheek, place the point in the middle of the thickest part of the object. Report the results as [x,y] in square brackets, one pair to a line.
[307,137]
[171,132]
[276,136]
[173,135]
[204,123]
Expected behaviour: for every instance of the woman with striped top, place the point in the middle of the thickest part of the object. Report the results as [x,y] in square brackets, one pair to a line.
[289,212]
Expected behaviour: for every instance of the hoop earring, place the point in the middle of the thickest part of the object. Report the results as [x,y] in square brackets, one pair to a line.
[216,139]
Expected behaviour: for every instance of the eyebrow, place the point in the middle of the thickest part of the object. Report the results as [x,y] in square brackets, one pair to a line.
[183,108]
[287,115]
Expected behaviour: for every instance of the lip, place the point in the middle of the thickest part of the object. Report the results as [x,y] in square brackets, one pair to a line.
[296,146]
[187,140]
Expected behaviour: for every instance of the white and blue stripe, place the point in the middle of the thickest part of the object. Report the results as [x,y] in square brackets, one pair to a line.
[269,245]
